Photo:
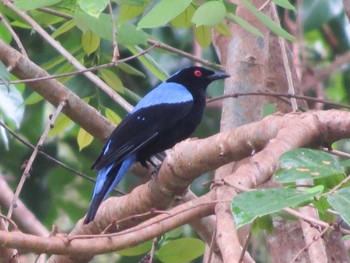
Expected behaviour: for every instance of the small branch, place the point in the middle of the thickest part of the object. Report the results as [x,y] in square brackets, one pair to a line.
[30,162]
[185,54]
[261,93]
[307,246]
[286,64]
[324,73]
[107,65]
[14,35]
[115,54]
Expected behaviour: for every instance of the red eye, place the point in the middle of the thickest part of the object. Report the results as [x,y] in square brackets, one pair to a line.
[197,73]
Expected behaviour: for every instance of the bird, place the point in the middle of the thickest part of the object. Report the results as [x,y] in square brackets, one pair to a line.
[165,116]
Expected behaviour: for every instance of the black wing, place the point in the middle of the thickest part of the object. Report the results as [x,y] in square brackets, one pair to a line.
[139,129]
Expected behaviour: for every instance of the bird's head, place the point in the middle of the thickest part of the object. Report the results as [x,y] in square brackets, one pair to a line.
[196,77]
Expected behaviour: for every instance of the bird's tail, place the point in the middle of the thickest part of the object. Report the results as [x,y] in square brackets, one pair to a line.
[107,179]
[103,186]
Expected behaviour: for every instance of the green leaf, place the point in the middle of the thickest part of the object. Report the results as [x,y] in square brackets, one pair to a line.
[112,80]
[90,42]
[150,63]
[5,35]
[263,223]
[269,109]
[268,22]
[250,205]
[128,35]
[11,104]
[62,122]
[33,99]
[101,26]
[84,139]
[209,14]
[340,201]
[162,13]
[63,29]
[245,24]
[130,70]
[181,250]
[285,4]
[223,29]
[136,250]
[203,35]
[92,7]
[127,12]
[26,5]
[306,164]
[4,76]
[184,19]
[112,116]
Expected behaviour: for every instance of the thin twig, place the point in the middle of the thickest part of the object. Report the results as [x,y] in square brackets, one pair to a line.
[287,69]
[115,54]
[308,245]
[10,221]
[30,162]
[185,54]
[49,157]
[14,35]
[211,248]
[137,228]
[110,64]
[308,219]
[245,247]
[275,94]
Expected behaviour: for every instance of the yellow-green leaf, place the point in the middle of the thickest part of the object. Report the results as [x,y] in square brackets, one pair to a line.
[62,122]
[209,14]
[84,139]
[203,35]
[112,80]
[112,116]
[90,42]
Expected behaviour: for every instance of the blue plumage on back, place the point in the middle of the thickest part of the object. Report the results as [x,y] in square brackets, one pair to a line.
[165,116]
[165,93]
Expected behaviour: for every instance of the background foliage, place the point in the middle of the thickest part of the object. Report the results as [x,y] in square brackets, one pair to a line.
[84,28]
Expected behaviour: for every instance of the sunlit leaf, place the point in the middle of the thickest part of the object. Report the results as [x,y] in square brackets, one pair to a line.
[84,139]
[112,116]
[5,35]
[209,14]
[33,98]
[61,124]
[90,42]
[203,36]
[163,12]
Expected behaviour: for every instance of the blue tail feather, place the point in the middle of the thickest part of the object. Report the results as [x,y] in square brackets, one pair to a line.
[108,178]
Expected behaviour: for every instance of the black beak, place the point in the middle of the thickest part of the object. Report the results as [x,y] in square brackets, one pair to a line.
[218,75]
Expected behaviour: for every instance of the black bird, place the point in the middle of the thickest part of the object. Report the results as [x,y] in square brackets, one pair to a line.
[166,115]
